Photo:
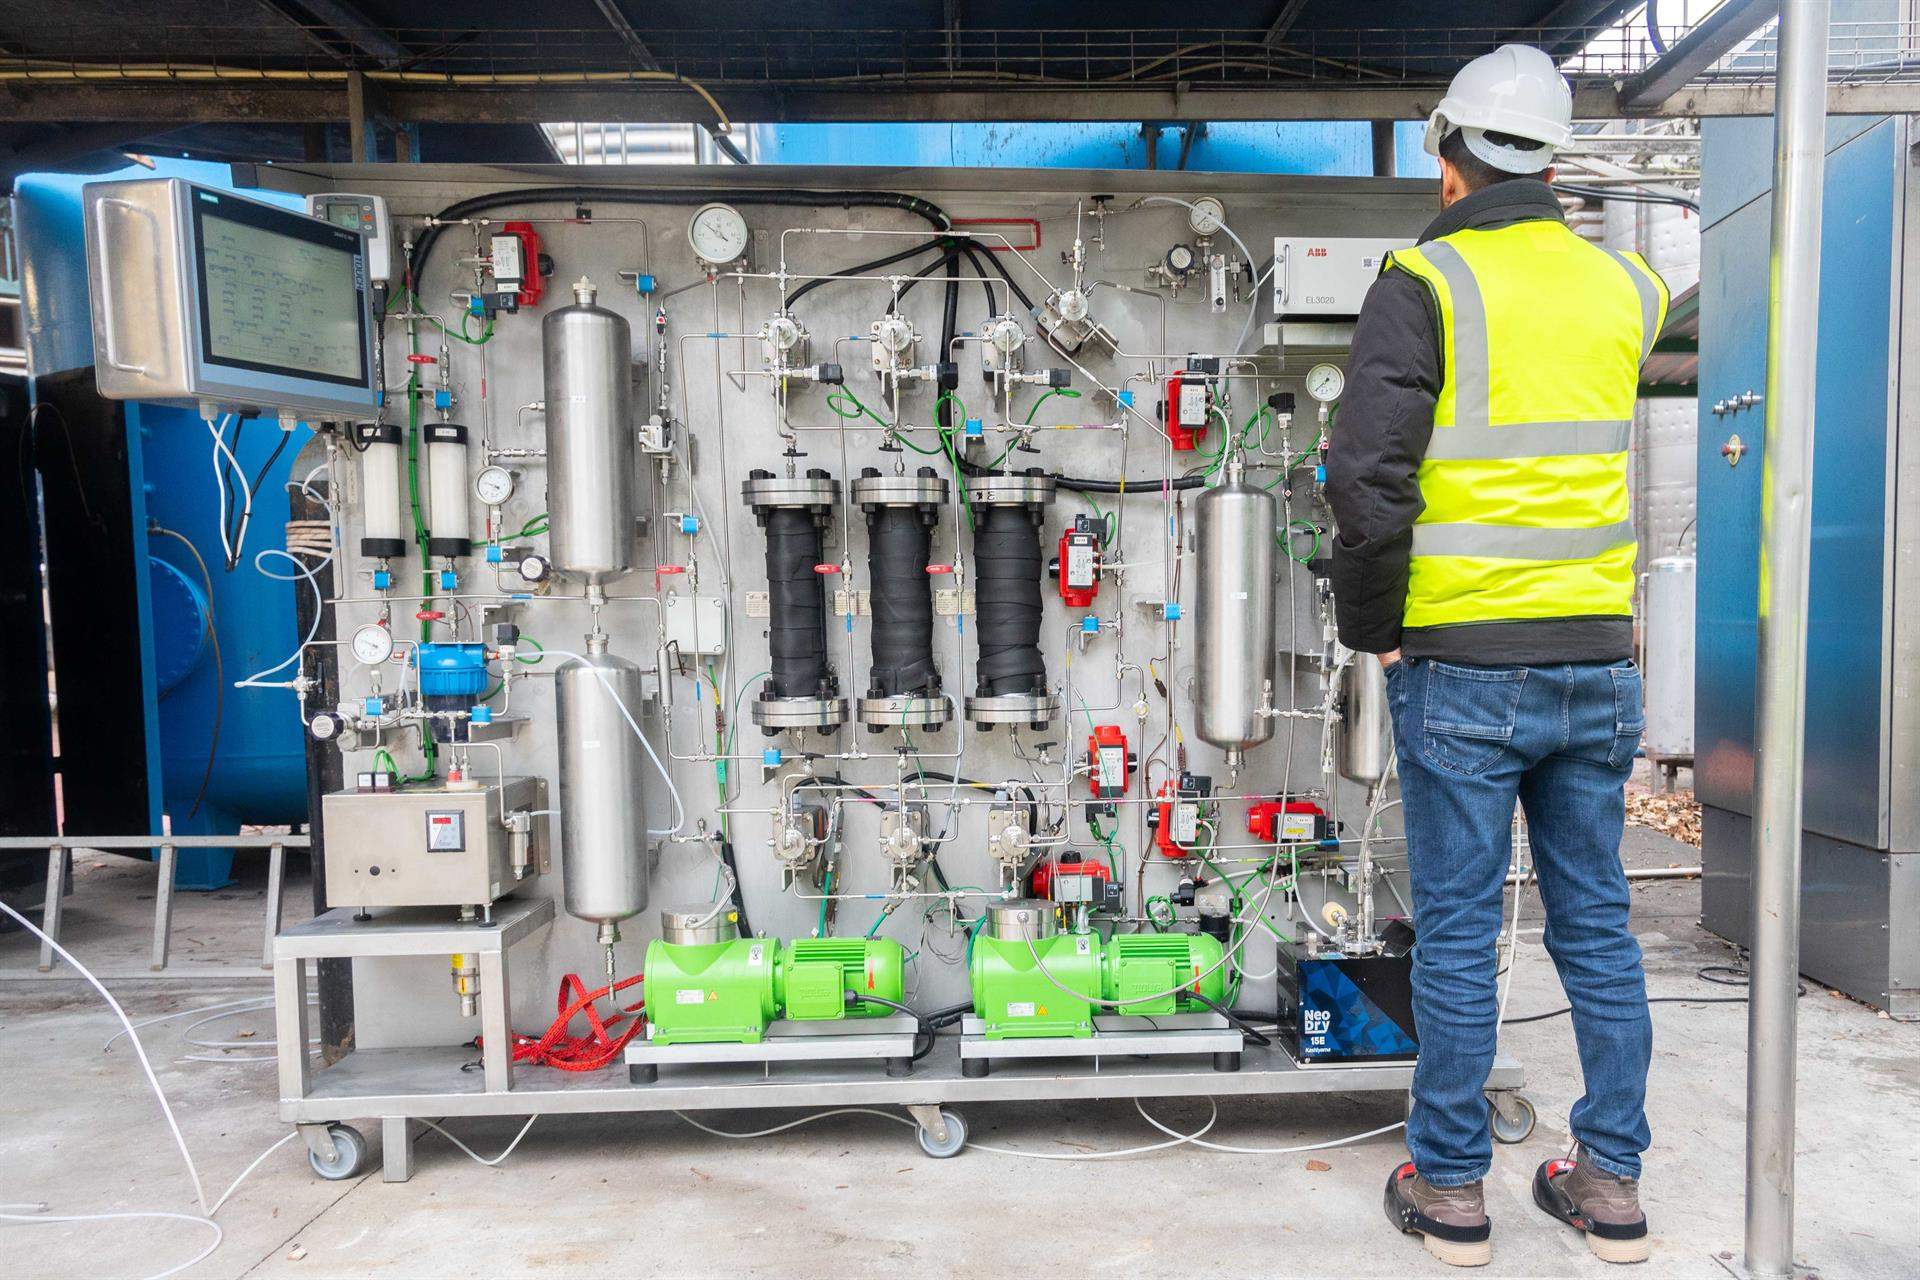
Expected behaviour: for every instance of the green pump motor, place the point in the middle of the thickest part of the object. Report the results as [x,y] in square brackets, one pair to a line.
[1153,973]
[706,984]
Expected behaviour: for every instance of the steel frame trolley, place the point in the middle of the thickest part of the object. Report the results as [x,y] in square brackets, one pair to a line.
[400,1086]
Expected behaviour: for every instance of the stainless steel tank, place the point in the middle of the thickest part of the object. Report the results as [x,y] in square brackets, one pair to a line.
[1365,725]
[1234,613]
[603,814]
[590,438]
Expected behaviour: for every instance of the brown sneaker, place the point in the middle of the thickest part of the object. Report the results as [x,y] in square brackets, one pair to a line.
[1451,1221]
[1602,1206]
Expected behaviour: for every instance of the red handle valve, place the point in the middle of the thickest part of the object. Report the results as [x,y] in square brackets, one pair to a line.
[429,615]
[826,570]
[418,358]
[939,570]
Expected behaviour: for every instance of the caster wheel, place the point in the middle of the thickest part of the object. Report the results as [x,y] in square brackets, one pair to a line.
[956,1138]
[349,1154]
[1513,1118]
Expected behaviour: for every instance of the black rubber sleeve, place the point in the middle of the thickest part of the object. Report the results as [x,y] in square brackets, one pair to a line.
[796,603]
[1006,553]
[898,543]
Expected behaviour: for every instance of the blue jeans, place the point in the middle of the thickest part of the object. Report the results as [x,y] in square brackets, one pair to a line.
[1560,740]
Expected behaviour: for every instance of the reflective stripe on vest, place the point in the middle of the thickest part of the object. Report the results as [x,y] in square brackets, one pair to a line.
[1525,477]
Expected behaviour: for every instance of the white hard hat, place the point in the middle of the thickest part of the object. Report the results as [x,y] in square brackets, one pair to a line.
[1515,90]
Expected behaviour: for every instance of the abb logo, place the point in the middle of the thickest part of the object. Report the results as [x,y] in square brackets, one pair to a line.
[1320,252]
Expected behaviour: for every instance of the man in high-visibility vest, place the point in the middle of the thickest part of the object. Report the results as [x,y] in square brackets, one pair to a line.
[1478,474]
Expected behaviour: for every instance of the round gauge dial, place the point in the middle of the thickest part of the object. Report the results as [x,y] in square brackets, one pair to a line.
[493,486]
[718,234]
[324,725]
[1207,216]
[1325,382]
[1180,259]
[534,568]
[372,644]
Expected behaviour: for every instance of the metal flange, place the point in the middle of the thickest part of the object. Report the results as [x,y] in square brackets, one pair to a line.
[763,490]
[923,490]
[800,713]
[904,711]
[1013,708]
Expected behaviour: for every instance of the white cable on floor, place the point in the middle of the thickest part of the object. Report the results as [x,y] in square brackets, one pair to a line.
[1271,1151]
[197,1258]
[1179,1139]
[477,1157]
[795,1124]
[173,1126]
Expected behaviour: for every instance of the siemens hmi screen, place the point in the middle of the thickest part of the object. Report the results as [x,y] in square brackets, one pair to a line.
[279,293]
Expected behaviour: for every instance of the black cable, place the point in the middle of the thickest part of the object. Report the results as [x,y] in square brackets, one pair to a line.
[259,477]
[423,247]
[739,893]
[1702,973]
[1012,284]
[862,269]
[986,283]
[949,261]
[1246,1029]
[921,1028]
[1604,194]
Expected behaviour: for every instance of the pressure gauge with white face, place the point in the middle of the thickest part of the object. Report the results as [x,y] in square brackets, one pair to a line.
[1207,216]
[493,486]
[718,234]
[372,644]
[1325,382]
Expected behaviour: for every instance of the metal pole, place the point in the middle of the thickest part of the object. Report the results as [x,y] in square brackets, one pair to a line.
[1793,308]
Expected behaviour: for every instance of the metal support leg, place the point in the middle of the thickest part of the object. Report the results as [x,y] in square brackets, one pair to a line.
[51,907]
[290,1030]
[396,1148]
[496,1012]
[163,907]
[276,866]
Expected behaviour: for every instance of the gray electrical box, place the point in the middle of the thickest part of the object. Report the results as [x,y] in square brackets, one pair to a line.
[435,846]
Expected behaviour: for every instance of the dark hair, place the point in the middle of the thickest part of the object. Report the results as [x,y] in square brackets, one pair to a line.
[1477,172]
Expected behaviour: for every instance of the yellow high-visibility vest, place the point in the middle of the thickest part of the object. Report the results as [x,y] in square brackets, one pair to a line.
[1525,480]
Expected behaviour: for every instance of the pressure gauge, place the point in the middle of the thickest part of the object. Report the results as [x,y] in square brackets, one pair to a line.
[1325,382]
[1206,216]
[1180,259]
[372,644]
[718,234]
[493,486]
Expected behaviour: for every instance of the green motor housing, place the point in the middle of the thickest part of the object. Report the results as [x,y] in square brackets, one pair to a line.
[1015,1000]
[731,989]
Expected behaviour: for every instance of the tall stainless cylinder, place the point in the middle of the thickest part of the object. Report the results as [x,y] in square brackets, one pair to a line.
[603,815]
[1234,612]
[1365,724]
[590,438]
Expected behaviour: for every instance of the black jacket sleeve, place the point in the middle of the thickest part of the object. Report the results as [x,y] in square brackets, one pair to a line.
[1373,455]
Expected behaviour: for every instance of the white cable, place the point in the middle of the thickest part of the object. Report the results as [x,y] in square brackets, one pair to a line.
[600,676]
[203,1255]
[1179,1139]
[234,548]
[476,1155]
[259,679]
[1271,1151]
[138,1049]
[173,1126]
[795,1124]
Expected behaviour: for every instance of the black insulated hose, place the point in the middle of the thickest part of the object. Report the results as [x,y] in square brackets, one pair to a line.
[1006,552]
[899,541]
[796,600]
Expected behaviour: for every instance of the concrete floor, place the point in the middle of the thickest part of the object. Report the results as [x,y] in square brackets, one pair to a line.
[854,1196]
